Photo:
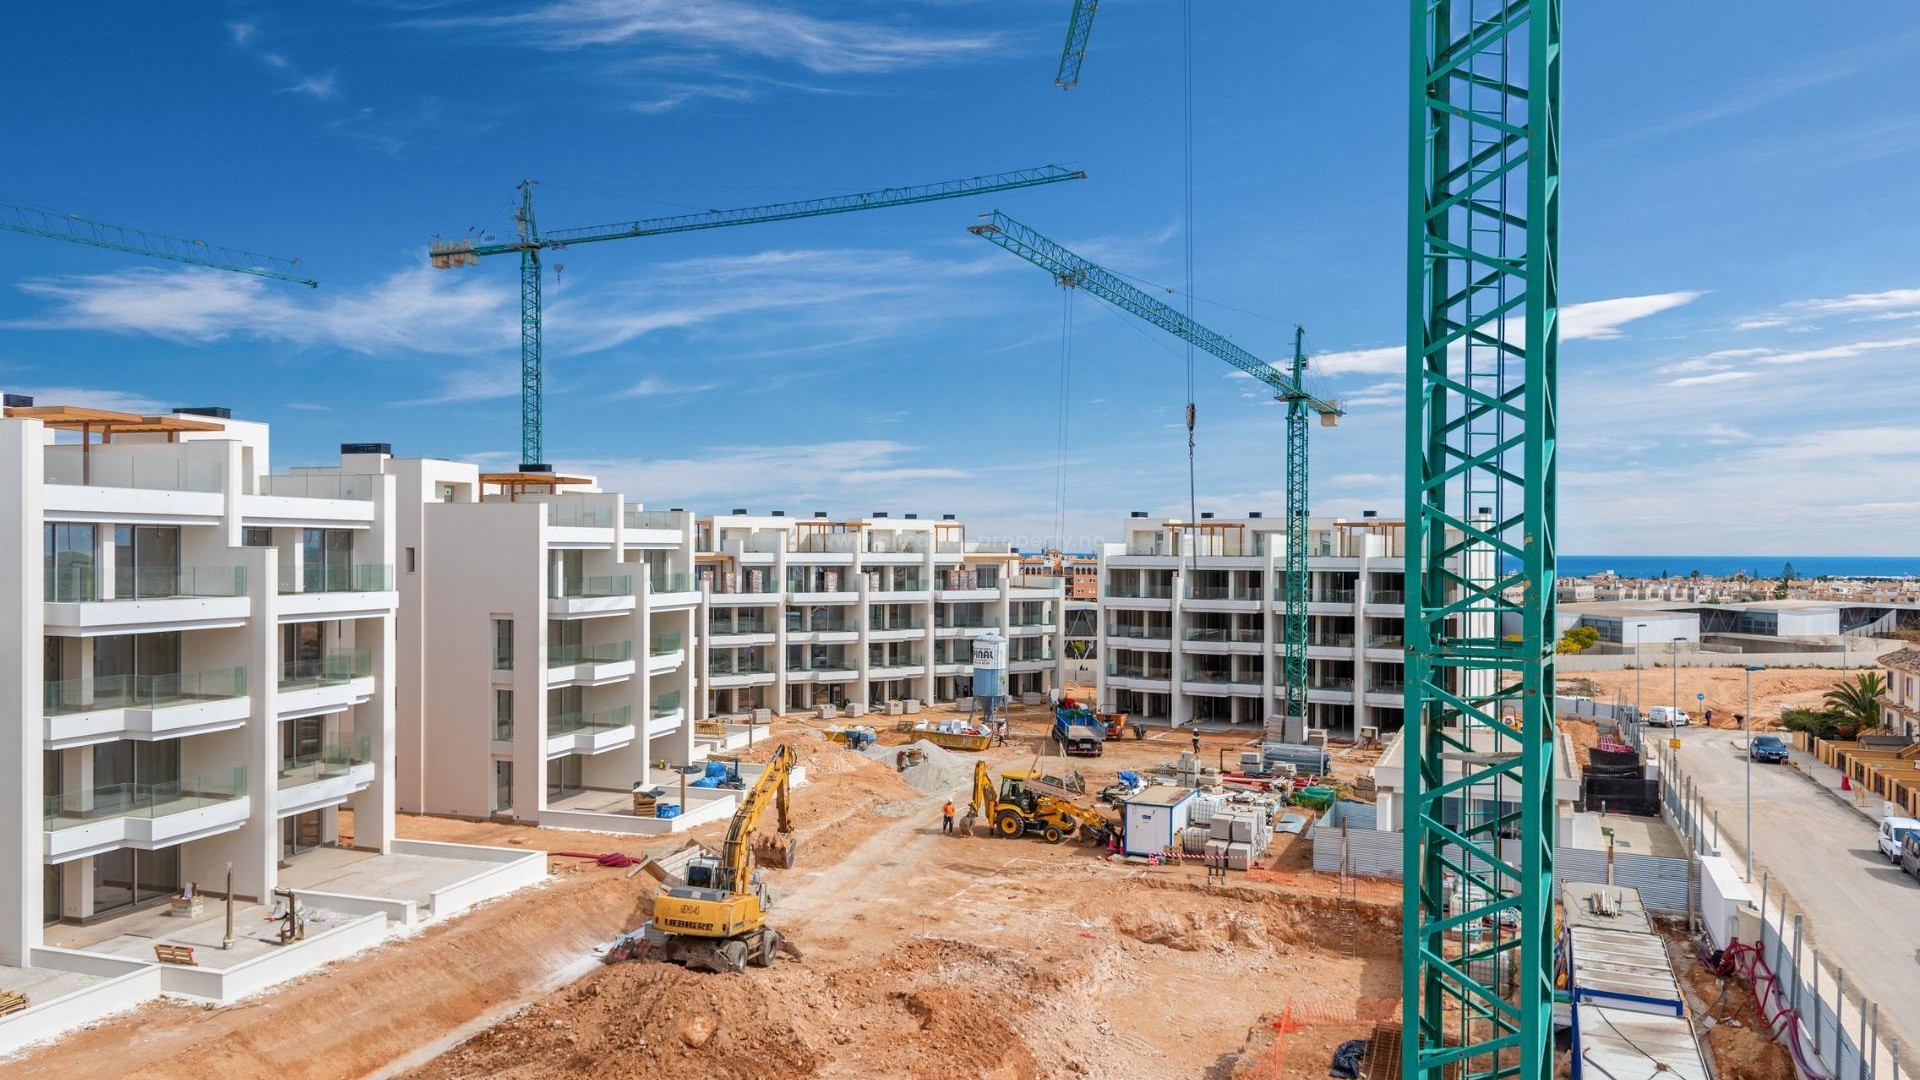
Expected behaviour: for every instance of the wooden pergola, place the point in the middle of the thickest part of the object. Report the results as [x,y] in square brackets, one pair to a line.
[513,484]
[106,423]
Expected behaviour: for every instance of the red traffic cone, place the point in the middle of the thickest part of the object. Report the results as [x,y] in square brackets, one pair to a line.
[1845,784]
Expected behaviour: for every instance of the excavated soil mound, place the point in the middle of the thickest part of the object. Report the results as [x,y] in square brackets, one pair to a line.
[1193,931]
[942,773]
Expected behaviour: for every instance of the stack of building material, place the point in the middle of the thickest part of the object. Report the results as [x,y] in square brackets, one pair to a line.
[1238,834]
[1623,1000]
[1304,757]
[646,801]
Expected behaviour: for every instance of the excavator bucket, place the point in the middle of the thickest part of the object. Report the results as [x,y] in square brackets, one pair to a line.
[778,852]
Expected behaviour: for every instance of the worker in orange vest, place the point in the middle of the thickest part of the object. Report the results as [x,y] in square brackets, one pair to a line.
[946,818]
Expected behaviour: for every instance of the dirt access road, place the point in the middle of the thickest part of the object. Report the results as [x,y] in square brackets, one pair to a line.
[1725,689]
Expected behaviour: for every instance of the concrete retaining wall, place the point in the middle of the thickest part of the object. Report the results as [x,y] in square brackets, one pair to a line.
[285,962]
[123,985]
[511,871]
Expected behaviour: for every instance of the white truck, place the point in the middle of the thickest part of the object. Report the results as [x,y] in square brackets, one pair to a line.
[1667,716]
[1894,830]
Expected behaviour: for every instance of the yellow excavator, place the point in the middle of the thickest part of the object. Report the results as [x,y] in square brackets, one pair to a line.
[1019,807]
[717,920]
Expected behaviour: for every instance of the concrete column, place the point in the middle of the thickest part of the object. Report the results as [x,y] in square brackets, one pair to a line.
[684,740]
[22,630]
[863,612]
[373,809]
[1102,652]
[699,652]
[640,688]
[256,867]
[1179,710]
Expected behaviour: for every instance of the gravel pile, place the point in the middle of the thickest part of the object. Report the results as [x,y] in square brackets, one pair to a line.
[942,773]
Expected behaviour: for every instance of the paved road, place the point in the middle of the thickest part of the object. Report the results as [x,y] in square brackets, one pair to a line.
[1862,913]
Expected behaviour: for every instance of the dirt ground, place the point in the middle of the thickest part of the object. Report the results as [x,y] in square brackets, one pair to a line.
[1773,690]
[1737,1040]
[925,956]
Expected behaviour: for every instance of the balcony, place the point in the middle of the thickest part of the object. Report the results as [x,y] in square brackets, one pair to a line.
[144,707]
[147,599]
[671,590]
[1140,633]
[324,777]
[741,628]
[589,665]
[1228,636]
[311,499]
[666,652]
[1138,671]
[665,528]
[587,597]
[1224,678]
[1224,592]
[571,515]
[331,682]
[1386,596]
[725,671]
[145,816]
[1331,596]
[320,591]
[664,714]
[589,733]
[1330,682]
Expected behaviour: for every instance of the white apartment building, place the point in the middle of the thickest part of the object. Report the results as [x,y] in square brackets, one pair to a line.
[200,657]
[810,611]
[551,627]
[1192,620]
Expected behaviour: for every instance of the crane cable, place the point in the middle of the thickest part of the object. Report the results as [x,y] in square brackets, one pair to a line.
[1066,413]
[1193,498]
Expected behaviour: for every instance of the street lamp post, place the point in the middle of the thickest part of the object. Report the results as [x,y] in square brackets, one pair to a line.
[1676,679]
[1638,713]
[1747,723]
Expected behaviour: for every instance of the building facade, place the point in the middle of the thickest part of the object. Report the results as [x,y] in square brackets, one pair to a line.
[1191,618]
[1900,708]
[200,656]
[1080,572]
[548,630]
[803,612]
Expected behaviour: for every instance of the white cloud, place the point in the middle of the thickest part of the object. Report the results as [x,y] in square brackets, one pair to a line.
[94,398]
[307,406]
[1848,351]
[1379,361]
[733,27]
[876,471]
[1904,299]
[318,87]
[1772,322]
[1601,320]
[654,386]
[1711,380]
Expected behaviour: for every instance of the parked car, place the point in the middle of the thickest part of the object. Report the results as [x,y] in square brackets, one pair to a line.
[1894,832]
[1910,855]
[1768,749]
[1666,716]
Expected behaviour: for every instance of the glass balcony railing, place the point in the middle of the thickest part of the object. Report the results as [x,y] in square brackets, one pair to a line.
[74,808]
[66,696]
[671,583]
[580,515]
[1147,633]
[337,578]
[1329,682]
[356,486]
[610,652]
[1386,596]
[663,644]
[1140,592]
[1386,687]
[664,705]
[1331,641]
[1333,596]
[723,666]
[654,519]
[68,464]
[502,729]
[740,626]
[168,582]
[956,624]
[1222,592]
[1386,641]
[70,583]
[331,760]
[330,669]
[1136,671]
[1211,633]
[1225,678]
[914,625]
[589,723]
[588,588]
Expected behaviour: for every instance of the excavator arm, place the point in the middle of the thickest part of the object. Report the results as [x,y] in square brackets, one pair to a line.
[737,853]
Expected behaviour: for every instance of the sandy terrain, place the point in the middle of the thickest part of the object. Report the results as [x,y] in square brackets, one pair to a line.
[1773,690]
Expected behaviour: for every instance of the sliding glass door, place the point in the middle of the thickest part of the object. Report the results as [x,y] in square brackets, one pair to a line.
[146,561]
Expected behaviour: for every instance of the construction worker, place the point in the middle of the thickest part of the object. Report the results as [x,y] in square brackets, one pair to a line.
[946,818]
[1196,741]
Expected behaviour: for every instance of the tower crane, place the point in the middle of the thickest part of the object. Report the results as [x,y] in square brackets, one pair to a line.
[33,221]
[1074,272]
[530,242]
[1079,25]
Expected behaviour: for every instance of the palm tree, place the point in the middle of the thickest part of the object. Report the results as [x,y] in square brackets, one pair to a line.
[1856,703]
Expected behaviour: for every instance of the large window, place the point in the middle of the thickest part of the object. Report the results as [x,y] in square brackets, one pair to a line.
[328,554]
[125,877]
[502,786]
[503,644]
[69,562]
[146,561]
[563,776]
[502,715]
[135,667]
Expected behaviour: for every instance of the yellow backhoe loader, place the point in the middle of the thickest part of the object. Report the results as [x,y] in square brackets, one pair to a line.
[717,920]
[1017,809]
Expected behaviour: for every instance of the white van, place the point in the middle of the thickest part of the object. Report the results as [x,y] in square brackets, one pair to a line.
[1666,716]
[1892,831]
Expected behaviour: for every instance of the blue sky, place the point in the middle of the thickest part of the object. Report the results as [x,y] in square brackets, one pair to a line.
[1739,230]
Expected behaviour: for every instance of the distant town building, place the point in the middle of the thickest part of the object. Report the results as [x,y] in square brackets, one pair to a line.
[1900,709]
[1081,572]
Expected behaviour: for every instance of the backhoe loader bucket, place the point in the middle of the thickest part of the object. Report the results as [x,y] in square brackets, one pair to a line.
[778,852]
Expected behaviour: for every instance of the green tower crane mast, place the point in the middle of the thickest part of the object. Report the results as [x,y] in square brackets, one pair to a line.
[529,242]
[1072,271]
[1482,368]
[1079,25]
[15,217]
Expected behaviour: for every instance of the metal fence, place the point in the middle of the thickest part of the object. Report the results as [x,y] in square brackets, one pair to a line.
[1833,1026]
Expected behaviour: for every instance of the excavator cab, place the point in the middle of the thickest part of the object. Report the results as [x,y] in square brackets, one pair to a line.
[1013,792]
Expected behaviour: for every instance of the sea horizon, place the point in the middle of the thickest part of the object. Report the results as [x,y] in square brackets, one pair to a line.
[1720,566]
